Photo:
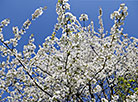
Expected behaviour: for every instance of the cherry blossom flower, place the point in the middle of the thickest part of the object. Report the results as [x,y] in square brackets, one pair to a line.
[83,17]
[82,63]
[5,22]
[37,13]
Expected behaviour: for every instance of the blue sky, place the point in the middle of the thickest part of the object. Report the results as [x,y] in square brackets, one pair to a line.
[20,10]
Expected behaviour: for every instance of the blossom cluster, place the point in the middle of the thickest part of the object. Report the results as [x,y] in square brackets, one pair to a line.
[81,64]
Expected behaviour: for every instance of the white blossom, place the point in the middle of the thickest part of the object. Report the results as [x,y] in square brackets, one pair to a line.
[26,24]
[15,30]
[122,5]
[97,88]
[37,13]
[5,22]
[104,100]
[82,63]
[83,17]
[67,6]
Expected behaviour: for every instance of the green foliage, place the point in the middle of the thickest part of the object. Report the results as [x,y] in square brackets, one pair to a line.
[126,87]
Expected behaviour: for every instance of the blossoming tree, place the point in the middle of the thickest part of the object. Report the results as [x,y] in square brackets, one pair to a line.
[82,65]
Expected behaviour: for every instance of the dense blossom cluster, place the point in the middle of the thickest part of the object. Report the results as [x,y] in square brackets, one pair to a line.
[81,65]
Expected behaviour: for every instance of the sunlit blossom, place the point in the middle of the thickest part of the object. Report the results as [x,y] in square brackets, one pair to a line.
[83,17]
[5,22]
[26,24]
[82,63]
[37,13]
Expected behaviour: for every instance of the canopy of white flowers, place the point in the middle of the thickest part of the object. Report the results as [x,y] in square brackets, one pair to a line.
[80,65]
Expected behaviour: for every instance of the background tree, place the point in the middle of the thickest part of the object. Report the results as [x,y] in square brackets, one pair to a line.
[81,65]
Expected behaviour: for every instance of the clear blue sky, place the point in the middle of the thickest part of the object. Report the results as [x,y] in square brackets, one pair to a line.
[20,10]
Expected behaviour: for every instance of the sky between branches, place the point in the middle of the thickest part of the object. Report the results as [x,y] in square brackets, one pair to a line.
[20,10]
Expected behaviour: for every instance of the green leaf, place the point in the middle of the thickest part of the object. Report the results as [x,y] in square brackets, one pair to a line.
[136,89]
[59,1]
